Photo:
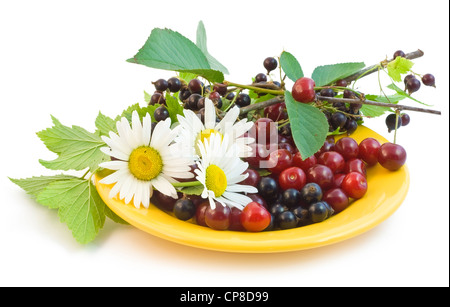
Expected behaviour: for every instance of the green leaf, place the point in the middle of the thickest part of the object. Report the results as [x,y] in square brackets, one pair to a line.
[401,92]
[173,107]
[309,126]
[398,67]
[142,111]
[80,206]
[77,148]
[34,185]
[194,190]
[105,124]
[327,74]
[169,50]
[375,111]
[291,66]
[201,43]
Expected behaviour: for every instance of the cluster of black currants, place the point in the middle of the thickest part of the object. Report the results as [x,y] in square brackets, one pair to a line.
[402,119]
[412,83]
[172,85]
[270,64]
[293,208]
[345,116]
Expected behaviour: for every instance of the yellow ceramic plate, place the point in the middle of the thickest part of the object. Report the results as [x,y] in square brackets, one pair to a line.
[386,192]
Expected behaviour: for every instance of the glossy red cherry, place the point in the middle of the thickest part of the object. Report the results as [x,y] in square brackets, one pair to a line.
[304,164]
[334,160]
[259,154]
[264,131]
[235,220]
[368,151]
[354,185]
[252,179]
[292,177]
[218,218]
[303,90]
[320,174]
[279,160]
[355,165]
[392,156]
[255,217]
[337,199]
[347,147]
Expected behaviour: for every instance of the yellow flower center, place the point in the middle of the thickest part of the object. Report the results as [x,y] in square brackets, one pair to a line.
[216,180]
[145,163]
[205,135]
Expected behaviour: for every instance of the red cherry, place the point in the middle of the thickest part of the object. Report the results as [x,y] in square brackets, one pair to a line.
[355,165]
[337,179]
[279,160]
[368,151]
[304,164]
[255,217]
[200,213]
[334,160]
[347,147]
[392,156]
[264,131]
[292,177]
[219,217]
[303,90]
[276,112]
[337,199]
[354,185]
[259,154]
[235,220]
[320,174]
[252,179]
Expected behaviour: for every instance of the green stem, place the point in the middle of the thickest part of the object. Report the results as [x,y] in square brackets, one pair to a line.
[255,88]
[186,184]
[397,114]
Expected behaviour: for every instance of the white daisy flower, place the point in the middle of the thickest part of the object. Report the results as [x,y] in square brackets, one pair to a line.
[193,129]
[143,160]
[220,170]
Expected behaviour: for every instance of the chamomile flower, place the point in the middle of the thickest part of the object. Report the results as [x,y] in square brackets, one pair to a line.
[193,129]
[143,160]
[220,170]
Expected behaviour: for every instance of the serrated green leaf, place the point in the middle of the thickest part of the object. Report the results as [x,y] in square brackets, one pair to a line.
[309,126]
[77,148]
[201,43]
[105,124]
[375,111]
[173,107]
[80,206]
[142,111]
[398,67]
[327,74]
[194,190]
[34,185]
[401,92]
[169,50]
[147,97]
[291,66]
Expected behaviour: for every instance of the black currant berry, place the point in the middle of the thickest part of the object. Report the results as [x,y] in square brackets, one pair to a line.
[184,209]
[319,211]
[351,125]
[390,122]
[302,215]
[195,86]
[270,64]
[268,188]
[407,78]
[413,85]
[399,53]
[286,130]
[428,80]
[286,220]
[174,84]
[243,100]
[201,103]
[184,94]
[311,193]
[338,120]
[277,208]
[192,101]
[230,96]
[157,97]
[260,78]
[220,88]
[327,92]
[161,113]
[405,119]
[161,85]
[341,83]
[291,198]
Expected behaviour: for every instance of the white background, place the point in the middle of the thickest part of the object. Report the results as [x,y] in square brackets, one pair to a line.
[67,58]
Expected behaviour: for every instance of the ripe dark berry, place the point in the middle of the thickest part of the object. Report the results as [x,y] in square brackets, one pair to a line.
[327,92]
[214,96]
[286,220]
[230,96]
[161,85]
[407,78]
[302,215]
[391,120]
[184,209]
[319,211]
[184,94]
[157,97]
[303,90]
[243,100]
[413,85]
[192,101]
[351,125]
[161,113]
[405,119]
[270,64]
[342,83]
[291,198]
[174,84]
[311,193]
[260,78]
[399,53]
[391,156]
[195,86]
[220,88]
[268,188]
[428,80]
[338,120]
